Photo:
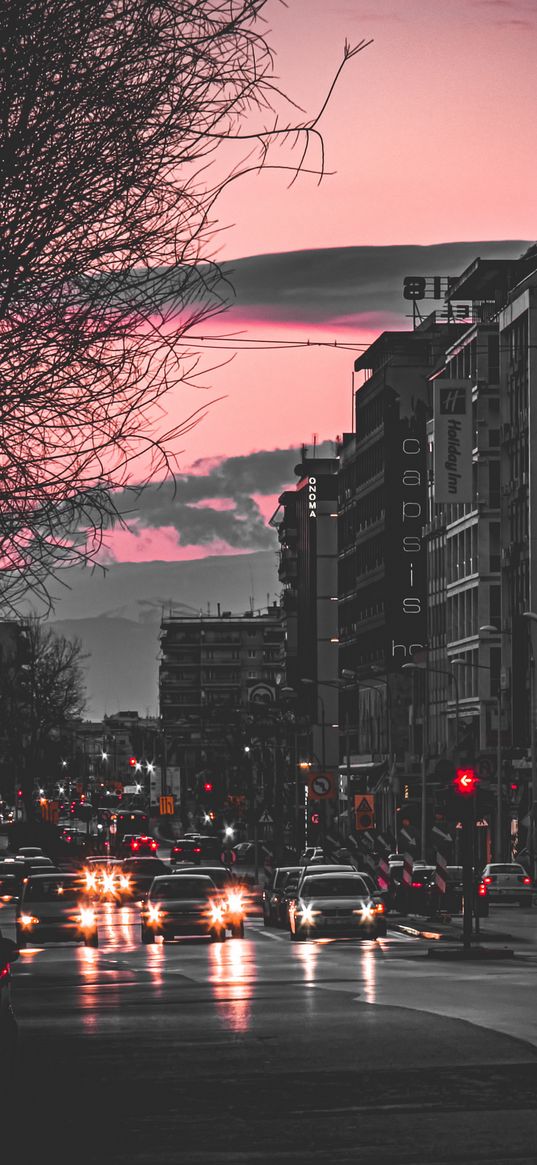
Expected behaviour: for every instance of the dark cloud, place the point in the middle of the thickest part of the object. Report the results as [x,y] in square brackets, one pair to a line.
[234,480]
[323,286]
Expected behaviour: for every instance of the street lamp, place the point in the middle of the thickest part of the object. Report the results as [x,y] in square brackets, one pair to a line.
[532,616]
[416,667]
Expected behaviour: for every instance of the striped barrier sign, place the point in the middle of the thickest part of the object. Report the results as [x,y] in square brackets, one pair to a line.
[440,876]
[383,873]
[408,867]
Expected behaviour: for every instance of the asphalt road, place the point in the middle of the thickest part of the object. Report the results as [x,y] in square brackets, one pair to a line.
[261,1051]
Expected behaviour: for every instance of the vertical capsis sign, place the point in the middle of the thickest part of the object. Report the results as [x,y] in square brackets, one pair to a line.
[406,557]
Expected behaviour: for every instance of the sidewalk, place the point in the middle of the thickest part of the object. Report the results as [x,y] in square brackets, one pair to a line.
[490,929]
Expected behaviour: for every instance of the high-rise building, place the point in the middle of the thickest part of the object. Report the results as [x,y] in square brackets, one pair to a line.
[306,521]
[212,668]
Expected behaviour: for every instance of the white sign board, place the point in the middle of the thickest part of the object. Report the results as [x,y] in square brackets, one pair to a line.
[453,440]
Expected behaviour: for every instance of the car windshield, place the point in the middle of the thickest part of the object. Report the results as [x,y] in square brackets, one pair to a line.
[334,887]
[173,889]
[52,890]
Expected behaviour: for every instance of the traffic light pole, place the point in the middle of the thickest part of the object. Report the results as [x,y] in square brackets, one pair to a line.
[467,871]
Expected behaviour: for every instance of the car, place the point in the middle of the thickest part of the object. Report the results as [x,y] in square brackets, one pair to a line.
[509,882]
[29,851]
[196,849]
[138,843]
[234,896]
[417,897]
[136,877]
[273,895]
[8,1024]
[103,879]
[180,906]
[10,879]
[55,907]
[294,880]
[335,904]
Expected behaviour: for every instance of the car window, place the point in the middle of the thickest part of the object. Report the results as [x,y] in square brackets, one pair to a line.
[334,887]
[176,888]
[506,869]
[52,890]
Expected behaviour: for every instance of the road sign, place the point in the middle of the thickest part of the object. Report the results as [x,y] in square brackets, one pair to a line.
[265,818]
[321,786]
[167,805]
[364,811]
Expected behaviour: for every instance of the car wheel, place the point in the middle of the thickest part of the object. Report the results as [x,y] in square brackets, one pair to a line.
[91,940]
[238,931]
[218,936]
[20,939]
[148,936]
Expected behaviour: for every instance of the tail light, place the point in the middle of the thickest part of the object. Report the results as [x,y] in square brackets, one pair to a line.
[4,973]
[197,849]
[380,908]
[526,881]
[488,880]
[417,885]
[482,890]
[154,845]
[135,845]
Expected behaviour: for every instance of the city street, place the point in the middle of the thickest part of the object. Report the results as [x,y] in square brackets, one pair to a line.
[263,1050]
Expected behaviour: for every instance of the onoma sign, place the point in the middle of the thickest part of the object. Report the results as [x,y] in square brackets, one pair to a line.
[406,556]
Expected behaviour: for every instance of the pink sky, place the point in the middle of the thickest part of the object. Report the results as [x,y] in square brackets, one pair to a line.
[431,132]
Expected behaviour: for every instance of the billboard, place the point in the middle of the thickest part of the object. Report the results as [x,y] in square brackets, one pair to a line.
[453,440]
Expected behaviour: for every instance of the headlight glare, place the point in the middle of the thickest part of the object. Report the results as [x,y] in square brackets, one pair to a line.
[308,915]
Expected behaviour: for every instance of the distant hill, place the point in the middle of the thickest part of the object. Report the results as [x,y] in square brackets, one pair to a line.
[117,617]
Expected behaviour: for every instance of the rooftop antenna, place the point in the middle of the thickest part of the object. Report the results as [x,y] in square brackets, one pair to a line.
[314,438]
[252,596]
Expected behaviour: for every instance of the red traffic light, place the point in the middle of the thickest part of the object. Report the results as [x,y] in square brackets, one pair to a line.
[207,786]
[132,762]
[466,782]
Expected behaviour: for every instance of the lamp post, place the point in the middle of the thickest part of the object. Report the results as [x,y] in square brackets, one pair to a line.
[532,616]
[415,667]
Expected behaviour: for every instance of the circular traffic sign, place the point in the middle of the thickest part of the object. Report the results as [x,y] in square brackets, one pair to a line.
[321,785]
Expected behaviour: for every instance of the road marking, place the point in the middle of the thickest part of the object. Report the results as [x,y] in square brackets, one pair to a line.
[268,934]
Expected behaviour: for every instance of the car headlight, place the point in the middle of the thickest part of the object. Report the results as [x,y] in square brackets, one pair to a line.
[235,902]
[154,913]
[91,880]
[27,920]
[366,911]
[125,882]
[308,915]
[87,918]
[217,913]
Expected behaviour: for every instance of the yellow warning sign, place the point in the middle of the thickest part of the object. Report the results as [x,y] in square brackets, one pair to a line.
[364,811]
[167,805]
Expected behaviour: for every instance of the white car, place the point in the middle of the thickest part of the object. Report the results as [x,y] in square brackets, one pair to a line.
[508,882]
[335,904]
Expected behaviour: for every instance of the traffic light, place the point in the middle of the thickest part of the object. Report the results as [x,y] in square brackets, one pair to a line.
[208,787]
[465,782]
[133,762]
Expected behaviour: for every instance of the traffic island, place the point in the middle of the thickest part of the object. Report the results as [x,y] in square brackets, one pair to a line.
[473,954]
